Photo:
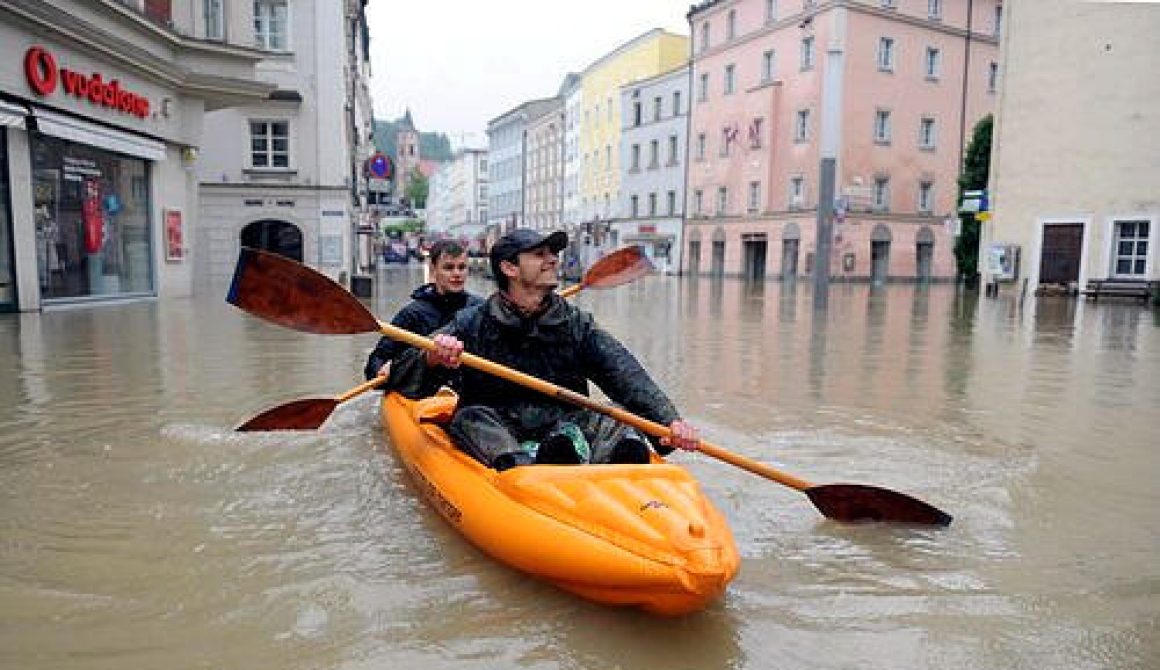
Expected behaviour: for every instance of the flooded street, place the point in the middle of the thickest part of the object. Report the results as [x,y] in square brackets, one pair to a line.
[138,531]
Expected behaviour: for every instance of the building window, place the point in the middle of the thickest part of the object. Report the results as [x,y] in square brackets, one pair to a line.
[925,197]
[677,103]
[272,24]
[657,108]
[703,89]
[754,196]
[672,203]
[700,146]
[483,166]
[801,126]
[214,25]
[889,4]
[654,151]
[934,9]
[270,144]
[91,210]
[636,113]
[933,62]
[926,135]
[730,70]
[607,157]
[770,11]
[634,165]
[807,53]
[698,202]
[673,150]
[882,126]
[797,192]
[634,206]
[1131,248]
[992,77]
[722,200]
[652,204]
[882,194]
[886,54]
[998,19]
[767,66]
[705,36]
[731,24]
[755,133]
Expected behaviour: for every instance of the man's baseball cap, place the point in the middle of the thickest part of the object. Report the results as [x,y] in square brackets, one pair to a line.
[509,246]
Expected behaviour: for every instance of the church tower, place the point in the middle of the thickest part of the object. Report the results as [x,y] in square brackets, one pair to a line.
[407,146]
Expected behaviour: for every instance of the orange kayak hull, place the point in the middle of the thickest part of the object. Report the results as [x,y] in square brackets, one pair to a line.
[633,535]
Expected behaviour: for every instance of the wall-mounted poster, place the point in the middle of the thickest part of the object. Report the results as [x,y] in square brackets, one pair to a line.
[174,245]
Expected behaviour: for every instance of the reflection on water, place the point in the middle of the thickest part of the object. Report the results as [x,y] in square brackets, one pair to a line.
[139,531]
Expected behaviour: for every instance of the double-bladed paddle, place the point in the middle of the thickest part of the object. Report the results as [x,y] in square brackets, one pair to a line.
[615,269]
[290,294]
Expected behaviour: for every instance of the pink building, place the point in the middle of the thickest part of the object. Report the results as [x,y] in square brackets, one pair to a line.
[894,86]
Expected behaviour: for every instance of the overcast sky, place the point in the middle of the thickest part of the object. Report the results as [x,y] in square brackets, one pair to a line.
[459,63]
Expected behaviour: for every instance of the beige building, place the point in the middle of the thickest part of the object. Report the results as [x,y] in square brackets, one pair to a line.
[544,168]
[1075,169]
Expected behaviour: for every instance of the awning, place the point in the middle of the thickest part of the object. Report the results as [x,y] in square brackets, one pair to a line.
[12,115]
[85,132]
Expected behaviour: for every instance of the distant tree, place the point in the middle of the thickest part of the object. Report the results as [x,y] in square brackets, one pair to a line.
[416,189]
[976,172]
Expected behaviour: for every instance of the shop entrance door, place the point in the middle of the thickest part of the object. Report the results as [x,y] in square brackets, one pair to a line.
[279,237]
[7,264]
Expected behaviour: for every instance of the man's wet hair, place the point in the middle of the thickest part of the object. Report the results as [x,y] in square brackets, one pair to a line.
[445,248]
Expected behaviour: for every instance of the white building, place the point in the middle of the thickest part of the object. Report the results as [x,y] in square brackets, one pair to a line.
[459,192]
[101,109]
[287,174]
[654,118]
[1075,177]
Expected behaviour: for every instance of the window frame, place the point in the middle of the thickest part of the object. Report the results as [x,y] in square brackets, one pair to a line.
[262,38]
[268,138]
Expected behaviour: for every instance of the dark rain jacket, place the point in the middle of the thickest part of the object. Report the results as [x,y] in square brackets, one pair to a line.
[562,345]
[427,311]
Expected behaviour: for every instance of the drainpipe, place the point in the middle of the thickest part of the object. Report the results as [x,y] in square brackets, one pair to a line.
[682,269]
[827,168]
[966,87]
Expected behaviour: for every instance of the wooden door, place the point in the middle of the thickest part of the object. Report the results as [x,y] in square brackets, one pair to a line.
[1062,251]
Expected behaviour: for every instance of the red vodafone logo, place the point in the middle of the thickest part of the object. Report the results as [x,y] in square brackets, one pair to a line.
[40,68]
[43,74]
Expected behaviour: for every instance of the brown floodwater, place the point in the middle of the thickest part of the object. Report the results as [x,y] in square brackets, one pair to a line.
[138,531]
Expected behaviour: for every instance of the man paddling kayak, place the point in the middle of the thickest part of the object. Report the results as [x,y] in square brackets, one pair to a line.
[527,326]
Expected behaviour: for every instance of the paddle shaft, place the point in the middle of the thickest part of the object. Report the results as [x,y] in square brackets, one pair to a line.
[567,395]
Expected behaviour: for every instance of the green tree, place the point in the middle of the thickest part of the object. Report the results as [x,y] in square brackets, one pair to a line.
[976,172]
[416,189]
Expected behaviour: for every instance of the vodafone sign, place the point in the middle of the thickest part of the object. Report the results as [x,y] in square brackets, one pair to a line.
[45,77]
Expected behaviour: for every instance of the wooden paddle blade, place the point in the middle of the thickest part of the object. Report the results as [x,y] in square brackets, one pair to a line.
[306,414]
[618,268]
[290,294]
[859,502]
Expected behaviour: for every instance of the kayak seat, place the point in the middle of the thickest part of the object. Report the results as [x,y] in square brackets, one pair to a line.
[439,408]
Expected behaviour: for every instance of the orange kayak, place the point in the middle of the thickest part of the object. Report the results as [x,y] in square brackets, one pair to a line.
[633,535]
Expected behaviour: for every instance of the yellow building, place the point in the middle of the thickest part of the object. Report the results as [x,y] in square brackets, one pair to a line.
[645,56]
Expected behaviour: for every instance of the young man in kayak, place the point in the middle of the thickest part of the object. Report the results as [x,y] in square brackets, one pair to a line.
[431,306]
[527,326]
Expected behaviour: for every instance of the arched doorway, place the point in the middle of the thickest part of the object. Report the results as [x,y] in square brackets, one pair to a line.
[279,237]
[880,254]
[718,269]
[791,237]
[924,253]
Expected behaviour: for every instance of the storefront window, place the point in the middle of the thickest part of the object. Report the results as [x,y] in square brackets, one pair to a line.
[7,276]
[92,221]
